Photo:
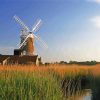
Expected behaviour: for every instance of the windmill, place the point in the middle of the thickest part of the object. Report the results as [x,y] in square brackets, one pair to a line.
[27,37]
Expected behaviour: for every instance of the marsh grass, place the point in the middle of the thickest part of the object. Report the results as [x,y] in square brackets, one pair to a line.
[44,83]
[28,86]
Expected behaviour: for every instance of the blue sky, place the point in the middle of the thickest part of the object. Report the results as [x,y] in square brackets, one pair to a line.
[71,28]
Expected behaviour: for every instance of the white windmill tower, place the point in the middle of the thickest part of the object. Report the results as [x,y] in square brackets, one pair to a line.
[27,37]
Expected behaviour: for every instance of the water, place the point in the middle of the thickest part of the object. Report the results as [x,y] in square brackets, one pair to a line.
[87,89]
[88,95]
[85,94]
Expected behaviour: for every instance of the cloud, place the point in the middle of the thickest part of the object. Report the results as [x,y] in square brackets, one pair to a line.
[96,21]
[96,1]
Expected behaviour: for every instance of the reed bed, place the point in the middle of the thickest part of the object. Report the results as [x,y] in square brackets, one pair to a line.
[55,82]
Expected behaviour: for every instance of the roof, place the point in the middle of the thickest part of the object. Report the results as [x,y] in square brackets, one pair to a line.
[19,59]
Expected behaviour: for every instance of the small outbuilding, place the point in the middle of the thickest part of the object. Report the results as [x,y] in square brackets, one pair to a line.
[19,59]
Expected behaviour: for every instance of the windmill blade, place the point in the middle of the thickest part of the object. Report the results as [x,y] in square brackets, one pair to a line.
[36,26]
[23,41]
[21,23]
[41,42]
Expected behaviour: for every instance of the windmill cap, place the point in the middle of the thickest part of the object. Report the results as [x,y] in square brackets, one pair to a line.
[30,32]
[31,36]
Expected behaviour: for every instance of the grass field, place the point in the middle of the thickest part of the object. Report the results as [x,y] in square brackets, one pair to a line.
[54,82]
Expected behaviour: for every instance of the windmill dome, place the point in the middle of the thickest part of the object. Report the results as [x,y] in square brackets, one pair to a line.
[31,35]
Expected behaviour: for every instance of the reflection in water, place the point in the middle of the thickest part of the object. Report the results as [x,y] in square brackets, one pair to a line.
[88,88]
[96,89]
[82,95]
[88,95]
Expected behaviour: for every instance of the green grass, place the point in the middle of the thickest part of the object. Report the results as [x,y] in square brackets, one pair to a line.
[29,86]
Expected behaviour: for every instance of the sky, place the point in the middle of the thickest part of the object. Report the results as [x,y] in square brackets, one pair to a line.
[71,28]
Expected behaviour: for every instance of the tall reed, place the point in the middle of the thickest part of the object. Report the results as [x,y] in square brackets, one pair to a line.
[44,83]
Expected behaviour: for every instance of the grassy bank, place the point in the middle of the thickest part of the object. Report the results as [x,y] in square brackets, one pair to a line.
[44,83]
